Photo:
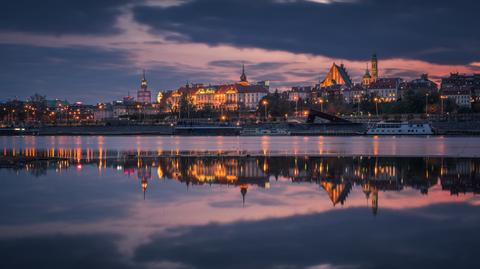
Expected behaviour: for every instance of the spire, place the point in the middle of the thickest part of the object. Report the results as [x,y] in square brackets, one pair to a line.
[143,84]
[243,77]
[243,191]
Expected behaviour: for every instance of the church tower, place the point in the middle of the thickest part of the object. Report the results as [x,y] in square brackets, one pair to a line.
[367,78]
[243,77]
[143,94]
[374,67]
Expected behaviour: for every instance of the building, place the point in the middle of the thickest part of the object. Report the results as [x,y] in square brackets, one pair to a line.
[240,95]
[462,88]
[367,78]
[337,75]
[460,95]
[300,93]
[143,94]
[385,88]
[354,94]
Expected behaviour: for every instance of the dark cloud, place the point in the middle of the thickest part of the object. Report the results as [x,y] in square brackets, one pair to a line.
[75,73]
[430,237]
[61,17]
[63,251]
[439,31]
[84,74]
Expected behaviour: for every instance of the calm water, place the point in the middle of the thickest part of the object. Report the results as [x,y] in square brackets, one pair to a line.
[284,202]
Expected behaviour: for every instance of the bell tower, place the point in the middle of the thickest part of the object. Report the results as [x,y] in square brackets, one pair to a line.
[374,67]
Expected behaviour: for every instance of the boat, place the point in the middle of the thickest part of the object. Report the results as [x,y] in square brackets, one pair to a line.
[18,131]
[264,132]
[400,128]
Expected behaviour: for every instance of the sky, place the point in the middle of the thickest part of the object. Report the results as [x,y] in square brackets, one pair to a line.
[93,51]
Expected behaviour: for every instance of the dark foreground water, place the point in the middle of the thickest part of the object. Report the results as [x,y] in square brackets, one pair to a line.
[119,204]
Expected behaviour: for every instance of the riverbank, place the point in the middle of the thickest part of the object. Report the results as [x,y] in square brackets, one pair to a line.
[327,129]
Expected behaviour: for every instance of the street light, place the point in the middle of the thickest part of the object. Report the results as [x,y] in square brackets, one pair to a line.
[426,103]
[376,104]
[321,104]
[265,103]
[442,97]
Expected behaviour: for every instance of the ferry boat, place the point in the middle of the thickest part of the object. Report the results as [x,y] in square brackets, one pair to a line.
[264,132]
[400,128]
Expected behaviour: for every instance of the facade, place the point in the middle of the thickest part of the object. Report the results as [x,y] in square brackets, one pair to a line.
[337,75]
[240,95]
[462,88]
[355,94]
[300,93]
[385,88]
[143,94]
[461,96]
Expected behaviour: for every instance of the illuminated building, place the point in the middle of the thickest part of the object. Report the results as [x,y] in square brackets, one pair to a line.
[159,97]
[337,75]
[461,88]
[385,88]
[240,95]
[143,94]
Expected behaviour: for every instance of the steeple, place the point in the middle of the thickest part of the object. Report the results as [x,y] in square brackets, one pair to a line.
[143,84]
[243,77]
[243,191]
[374,67]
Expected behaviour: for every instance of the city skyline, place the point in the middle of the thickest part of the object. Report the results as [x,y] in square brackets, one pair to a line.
[89,51]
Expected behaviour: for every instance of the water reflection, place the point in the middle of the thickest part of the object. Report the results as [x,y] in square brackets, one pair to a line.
[336,176]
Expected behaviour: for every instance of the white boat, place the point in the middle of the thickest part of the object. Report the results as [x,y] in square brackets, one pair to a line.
[264,132]
[400,128]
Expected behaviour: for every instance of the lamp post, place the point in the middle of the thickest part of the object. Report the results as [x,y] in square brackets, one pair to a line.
[296,105]
[321,104]
[426,104]
[376,104]
[265,103]
[442,97]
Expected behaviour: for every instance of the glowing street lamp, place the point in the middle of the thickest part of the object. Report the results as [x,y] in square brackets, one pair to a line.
[442,97]
[376,100]
[321,104]
[265,104]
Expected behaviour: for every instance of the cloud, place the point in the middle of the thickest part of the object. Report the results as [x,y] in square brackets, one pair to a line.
[434,31]
[347,238]
[61,17]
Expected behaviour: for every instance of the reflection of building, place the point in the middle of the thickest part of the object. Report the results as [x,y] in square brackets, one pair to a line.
[337,176]
[338,192]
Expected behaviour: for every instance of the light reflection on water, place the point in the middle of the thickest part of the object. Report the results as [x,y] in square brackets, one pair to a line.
[179,208]
[289,145]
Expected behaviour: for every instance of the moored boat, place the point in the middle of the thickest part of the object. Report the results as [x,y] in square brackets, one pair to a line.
[400,128]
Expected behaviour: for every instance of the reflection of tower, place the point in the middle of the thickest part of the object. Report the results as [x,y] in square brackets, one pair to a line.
[374,67]
[375,201]
[243,191]
[144,186]
[366,190]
